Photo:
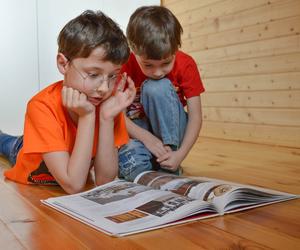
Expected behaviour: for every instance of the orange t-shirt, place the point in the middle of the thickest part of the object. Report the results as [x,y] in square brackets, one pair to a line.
[48,128]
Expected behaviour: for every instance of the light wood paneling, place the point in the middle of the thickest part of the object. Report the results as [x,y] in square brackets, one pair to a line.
[268,82]
[248,55]
[257,133]
[270,47]
[261,65]
[189,5]
[257,116]
[257,32]
[275,99]
[265,14]
[220,8]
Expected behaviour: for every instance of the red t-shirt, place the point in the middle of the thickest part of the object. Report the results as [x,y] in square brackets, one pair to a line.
[184,76]
[48,128]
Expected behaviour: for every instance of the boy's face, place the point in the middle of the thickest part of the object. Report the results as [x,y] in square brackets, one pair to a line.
[92,76]
[156,69]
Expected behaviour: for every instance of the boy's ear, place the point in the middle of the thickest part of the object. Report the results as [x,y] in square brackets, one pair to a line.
[61,62]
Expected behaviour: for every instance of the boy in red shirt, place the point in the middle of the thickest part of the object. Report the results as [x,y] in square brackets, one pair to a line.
[76,123]
[166,80]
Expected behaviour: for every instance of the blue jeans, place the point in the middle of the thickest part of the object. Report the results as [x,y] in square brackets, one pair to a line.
[10,146]
[165,118]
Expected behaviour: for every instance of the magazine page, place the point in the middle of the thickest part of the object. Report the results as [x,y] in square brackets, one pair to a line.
[233,197]
[200,189]
[226,196]
[121,207]
[242,198]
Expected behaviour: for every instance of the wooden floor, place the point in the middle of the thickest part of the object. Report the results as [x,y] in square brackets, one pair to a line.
[26,224]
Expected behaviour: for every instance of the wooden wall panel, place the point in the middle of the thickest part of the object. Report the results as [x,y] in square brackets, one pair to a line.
[219,9]
[257,32]
[270,47]
[267,82]
[265,134]
[262,116]
[248,54]
[259,65]
[263,99]
[177,7]
[265,14]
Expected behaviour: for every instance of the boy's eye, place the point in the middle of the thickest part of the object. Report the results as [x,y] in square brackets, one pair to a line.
[166,63]
[148,65]
[112,77]
[92,75]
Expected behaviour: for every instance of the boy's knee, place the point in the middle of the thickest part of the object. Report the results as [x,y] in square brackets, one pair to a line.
[157,88]
[133,160]
[131,166]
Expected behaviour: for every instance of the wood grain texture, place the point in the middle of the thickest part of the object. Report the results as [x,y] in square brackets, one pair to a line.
[264,134]
[270,47]
[248,55]
[244,18]
[26,224]
[259,31]
[249,83]
[257,116]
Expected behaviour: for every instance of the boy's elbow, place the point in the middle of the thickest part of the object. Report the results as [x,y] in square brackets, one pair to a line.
[104,180]
[73,188]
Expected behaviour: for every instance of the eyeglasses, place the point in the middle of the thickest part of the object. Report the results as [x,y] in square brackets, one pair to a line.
[94,81]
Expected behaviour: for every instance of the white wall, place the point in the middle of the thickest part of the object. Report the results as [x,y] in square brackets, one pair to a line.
[51,20]
[19,62]
[28,47]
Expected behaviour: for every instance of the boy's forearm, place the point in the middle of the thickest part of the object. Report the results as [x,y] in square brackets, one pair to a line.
[80,158]
[135,131]
[190,136]
[193,126]
[106,162]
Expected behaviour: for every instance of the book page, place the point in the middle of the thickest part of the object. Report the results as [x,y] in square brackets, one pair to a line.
[122,207]
[225,196]
[203,189]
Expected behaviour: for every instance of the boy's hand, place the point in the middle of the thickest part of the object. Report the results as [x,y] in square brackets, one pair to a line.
[171,160]
[155,146]
[115,104]
[76,102]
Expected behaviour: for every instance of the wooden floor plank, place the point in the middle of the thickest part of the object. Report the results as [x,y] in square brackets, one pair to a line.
[276,226]
[31,226]
[8,239]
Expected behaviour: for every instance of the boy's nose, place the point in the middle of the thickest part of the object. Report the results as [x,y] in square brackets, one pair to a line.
[158,73]
[103,86]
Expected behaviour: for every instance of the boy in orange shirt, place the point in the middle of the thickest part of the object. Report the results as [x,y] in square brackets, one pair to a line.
[76,123]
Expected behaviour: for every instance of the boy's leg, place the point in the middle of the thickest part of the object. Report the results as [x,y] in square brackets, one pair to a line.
[134,158]
[10,146]
[164,111]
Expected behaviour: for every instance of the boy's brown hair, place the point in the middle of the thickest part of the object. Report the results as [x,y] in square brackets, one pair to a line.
[89,30]
[154,32]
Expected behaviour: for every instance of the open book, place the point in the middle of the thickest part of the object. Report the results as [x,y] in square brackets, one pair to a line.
[157,199]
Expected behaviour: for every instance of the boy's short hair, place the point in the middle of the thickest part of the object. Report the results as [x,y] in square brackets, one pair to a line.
[91,29]
[154,32]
